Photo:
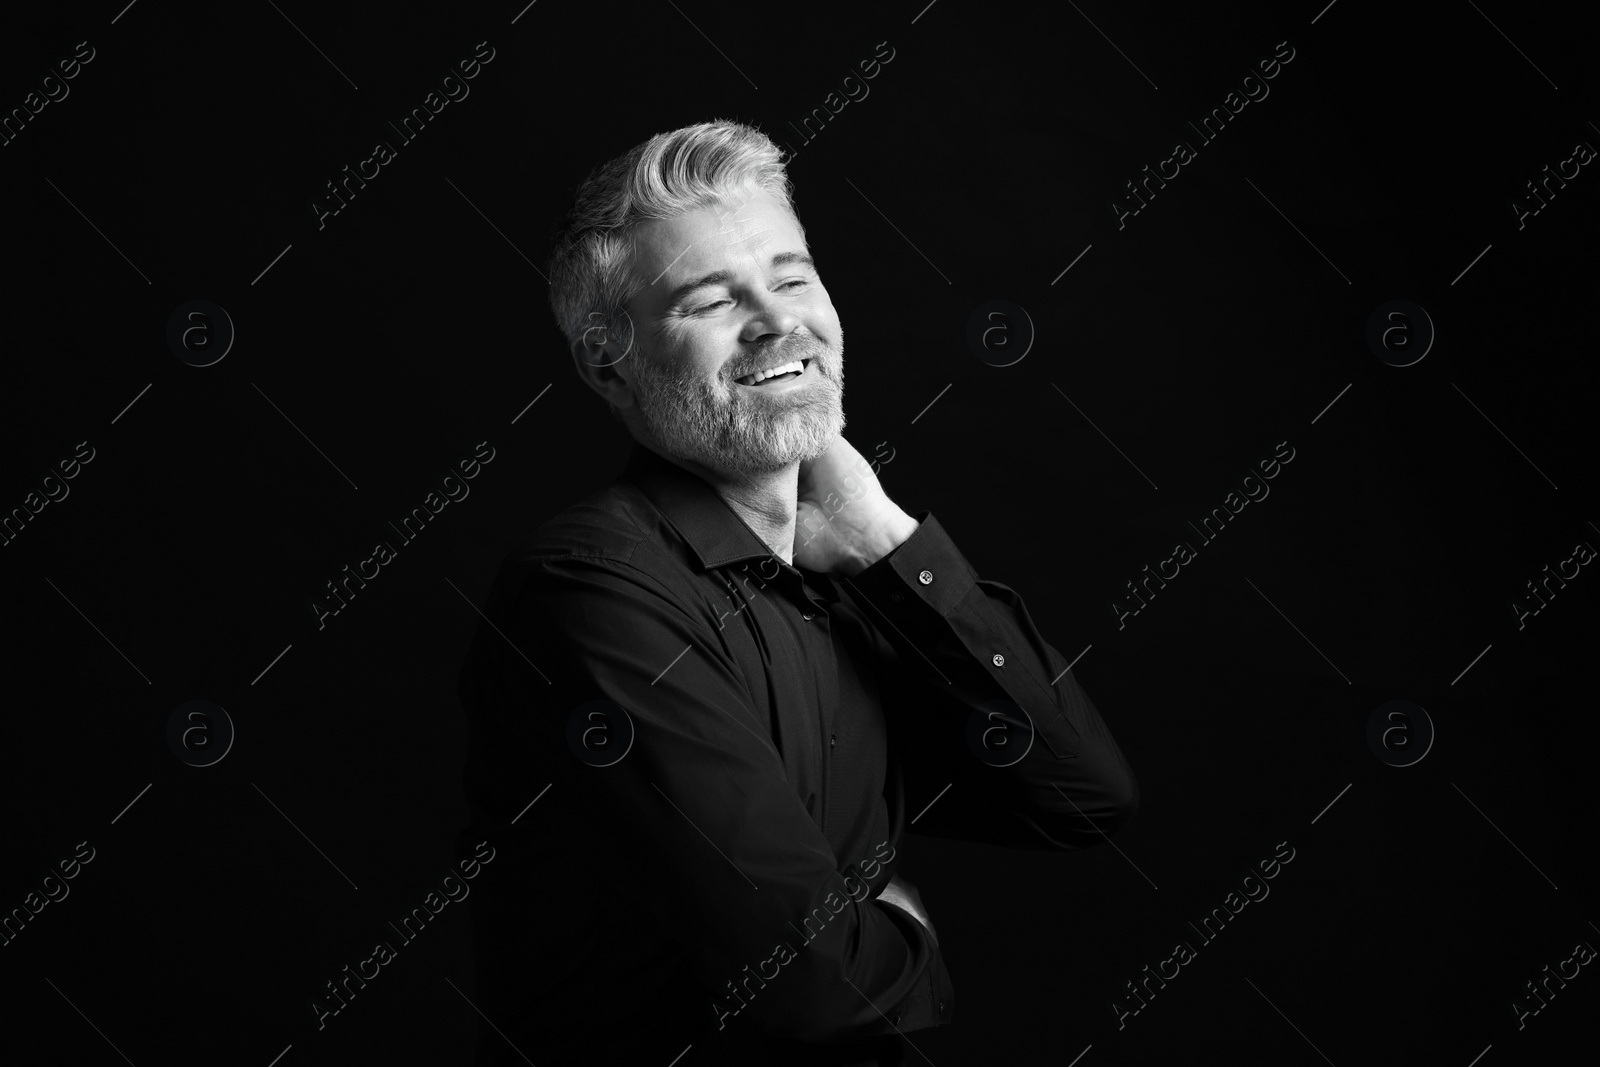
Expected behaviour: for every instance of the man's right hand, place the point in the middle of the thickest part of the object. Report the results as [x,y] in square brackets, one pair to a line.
[903,895]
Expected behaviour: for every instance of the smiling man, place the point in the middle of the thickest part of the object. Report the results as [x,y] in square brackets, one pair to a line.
[709,699]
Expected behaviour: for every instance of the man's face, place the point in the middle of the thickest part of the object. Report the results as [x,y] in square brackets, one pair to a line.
[730,290]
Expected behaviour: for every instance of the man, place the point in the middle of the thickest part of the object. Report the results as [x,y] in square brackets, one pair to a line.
[710,697]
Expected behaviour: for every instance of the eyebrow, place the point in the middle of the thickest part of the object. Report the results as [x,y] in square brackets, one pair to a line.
[717,277]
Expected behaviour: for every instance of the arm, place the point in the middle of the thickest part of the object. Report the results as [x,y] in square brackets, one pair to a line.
[967,678]
[962,715]
[731,863]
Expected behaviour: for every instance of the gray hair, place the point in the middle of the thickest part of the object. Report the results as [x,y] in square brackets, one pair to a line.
[665,177]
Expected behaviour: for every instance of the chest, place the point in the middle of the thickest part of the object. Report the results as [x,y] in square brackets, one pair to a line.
[814,688]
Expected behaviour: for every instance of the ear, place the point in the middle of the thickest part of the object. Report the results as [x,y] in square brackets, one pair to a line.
[601,361]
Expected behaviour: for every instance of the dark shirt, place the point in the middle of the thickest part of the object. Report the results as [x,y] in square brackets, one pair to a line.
[696,764]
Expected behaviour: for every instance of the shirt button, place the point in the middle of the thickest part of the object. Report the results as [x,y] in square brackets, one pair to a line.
[832,740]
[806,615]
[999,660]
[926,577]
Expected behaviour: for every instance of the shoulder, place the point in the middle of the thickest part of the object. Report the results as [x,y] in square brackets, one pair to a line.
[612,538]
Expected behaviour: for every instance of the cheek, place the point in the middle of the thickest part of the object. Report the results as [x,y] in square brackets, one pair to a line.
[692,357]
[703,353]
[819,298]
[830,315]
[818,314]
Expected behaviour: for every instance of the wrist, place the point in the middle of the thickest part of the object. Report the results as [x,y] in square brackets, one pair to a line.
[883,539]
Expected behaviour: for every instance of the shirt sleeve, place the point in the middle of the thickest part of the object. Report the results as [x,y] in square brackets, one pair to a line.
[729,859]
[981,703]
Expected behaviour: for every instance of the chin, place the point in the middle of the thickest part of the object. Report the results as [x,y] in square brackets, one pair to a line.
[724,432]
[804,439]
[824,441]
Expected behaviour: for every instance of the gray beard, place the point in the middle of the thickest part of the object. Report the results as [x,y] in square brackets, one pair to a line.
[725,427]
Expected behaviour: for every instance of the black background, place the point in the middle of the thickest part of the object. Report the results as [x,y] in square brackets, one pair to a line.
[1221,320]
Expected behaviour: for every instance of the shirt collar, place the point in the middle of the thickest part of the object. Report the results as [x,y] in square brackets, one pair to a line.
[713,531]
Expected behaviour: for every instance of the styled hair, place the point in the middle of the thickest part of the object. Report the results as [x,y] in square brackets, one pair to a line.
[671,174]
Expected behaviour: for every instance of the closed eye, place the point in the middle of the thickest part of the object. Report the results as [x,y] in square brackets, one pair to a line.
[718,303]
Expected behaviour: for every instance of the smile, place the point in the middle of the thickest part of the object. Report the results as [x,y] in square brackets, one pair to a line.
[783,375]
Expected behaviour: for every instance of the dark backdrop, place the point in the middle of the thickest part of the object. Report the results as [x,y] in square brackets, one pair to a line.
[374,351]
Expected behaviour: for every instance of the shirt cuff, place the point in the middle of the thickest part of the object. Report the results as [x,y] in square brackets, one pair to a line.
[926,565]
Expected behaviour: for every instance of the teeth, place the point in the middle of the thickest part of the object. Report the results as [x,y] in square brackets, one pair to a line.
[761,376]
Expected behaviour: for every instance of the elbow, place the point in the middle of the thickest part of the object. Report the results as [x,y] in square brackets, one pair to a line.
[1122,801]
[1111,799]
[1102,810]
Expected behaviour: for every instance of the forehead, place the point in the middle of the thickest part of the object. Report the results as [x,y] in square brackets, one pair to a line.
[745,226]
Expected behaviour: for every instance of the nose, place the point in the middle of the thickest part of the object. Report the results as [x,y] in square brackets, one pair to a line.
[771,319]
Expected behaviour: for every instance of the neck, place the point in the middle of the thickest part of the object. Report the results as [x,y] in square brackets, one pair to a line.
[766,502]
